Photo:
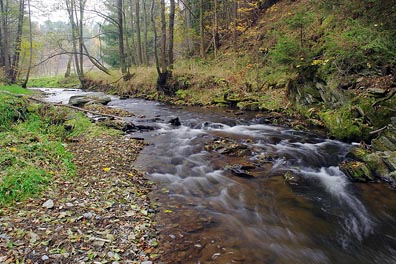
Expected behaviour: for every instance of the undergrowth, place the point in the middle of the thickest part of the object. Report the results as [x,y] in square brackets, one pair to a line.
[33,140]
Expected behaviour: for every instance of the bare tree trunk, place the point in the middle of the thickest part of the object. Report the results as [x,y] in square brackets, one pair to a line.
[133,46]
[24,84]
[201,29]
[121,38]
[163,37]
[171,33]
[145,43]
[138,35]
[155,37]
[68,67]
[5,52]
[215,29]
[15,61]
[81,32]
[71,5]
[235,11]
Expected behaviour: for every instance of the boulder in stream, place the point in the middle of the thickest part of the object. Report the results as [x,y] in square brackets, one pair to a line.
[81,100]
[175,121]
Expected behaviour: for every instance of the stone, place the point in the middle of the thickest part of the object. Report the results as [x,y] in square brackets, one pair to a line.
[44,258]
[376,91]
[175,121]
[238,171]
[119,124]
[81,100]
[49,204]
[357,171]
[291,178]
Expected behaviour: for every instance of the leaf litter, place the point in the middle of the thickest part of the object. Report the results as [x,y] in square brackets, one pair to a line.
[103,215]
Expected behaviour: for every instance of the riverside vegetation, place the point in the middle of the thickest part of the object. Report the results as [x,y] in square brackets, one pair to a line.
[51,180]
[331,64]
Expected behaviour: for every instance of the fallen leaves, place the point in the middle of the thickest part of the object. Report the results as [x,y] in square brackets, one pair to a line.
[102,215]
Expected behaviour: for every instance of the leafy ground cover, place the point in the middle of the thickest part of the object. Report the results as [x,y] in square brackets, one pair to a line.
[68,189]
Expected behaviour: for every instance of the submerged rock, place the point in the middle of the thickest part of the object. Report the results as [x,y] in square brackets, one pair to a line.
[240,171]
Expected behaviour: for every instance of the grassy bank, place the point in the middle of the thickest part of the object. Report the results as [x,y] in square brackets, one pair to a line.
[54,82]
[32,146]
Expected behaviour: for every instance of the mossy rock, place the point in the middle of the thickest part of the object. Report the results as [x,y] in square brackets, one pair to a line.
[249,106]
[357,171]
[376,163]
[386,141]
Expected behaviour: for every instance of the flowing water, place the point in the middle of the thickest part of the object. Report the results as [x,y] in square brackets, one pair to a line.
[211,215]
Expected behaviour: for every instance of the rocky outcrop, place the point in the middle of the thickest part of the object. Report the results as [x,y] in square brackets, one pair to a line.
[379,162]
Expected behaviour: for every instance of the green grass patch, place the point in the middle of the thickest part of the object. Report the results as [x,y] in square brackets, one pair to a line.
[33,148]
[54,82]
[15,89]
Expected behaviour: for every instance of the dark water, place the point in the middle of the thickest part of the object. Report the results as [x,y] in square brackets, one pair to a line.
[210,215]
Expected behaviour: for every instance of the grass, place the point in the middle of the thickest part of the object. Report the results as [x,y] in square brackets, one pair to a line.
[54,82]
[32,148]
[15,89]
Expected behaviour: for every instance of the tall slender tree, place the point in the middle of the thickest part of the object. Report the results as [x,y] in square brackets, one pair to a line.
[24,84]
[120,16]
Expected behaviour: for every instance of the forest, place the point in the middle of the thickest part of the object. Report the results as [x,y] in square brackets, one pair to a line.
[220,131]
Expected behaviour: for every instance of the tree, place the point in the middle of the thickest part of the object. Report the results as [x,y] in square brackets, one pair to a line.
[121,38]
[24,84]
[138,35]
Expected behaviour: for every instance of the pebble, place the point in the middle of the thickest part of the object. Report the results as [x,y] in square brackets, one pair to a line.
[44,258]
[147,262]
[88,215]
[49,204]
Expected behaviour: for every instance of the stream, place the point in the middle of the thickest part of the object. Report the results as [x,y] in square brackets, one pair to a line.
[217,206]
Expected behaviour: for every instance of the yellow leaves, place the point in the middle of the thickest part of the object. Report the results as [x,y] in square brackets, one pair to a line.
[12,149]
[320,62]
[167,211]
[106,169]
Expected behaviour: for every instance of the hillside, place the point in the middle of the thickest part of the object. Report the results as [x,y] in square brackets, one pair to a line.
[304,64]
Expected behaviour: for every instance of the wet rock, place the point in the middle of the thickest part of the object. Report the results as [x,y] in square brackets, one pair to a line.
[228,147]
[119,124]
[175,121]
[387,140]
[49,204]
[237,170]
[249,106]
[357,171]
[81,100]
[291,178]
[377,92]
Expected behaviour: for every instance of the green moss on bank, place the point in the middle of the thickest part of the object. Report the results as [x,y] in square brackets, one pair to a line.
[33,140]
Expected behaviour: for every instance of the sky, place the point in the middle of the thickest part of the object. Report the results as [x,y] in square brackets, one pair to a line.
[54,10]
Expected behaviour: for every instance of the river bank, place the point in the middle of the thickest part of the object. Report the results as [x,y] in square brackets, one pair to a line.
[102,212]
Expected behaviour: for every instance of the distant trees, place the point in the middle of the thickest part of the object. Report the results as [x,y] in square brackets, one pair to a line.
[11,16]
[133,32]
[175,28]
